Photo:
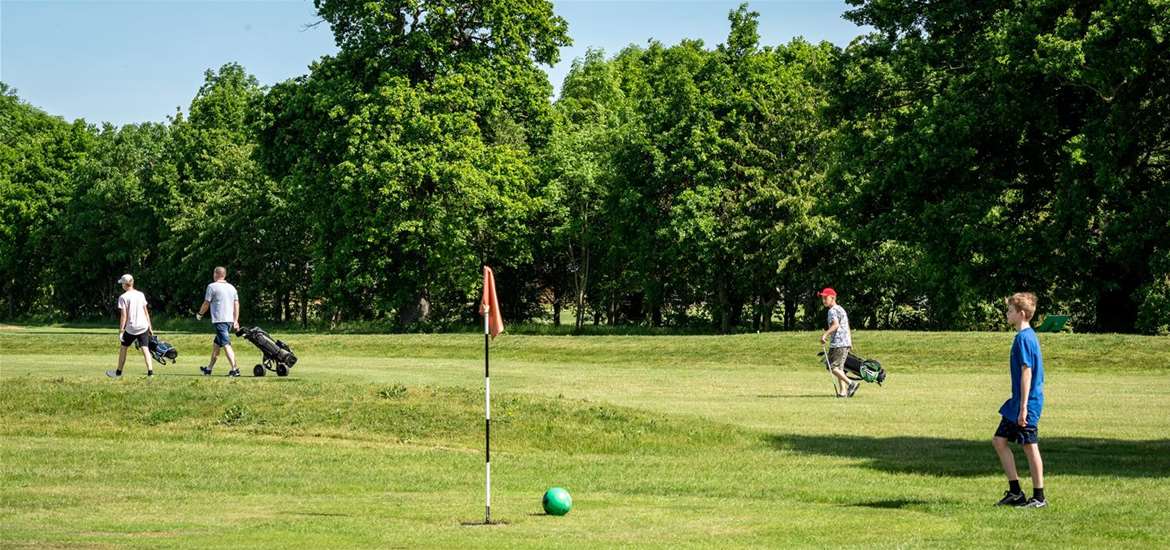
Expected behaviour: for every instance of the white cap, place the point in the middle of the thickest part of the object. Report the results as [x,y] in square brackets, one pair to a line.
[126,279]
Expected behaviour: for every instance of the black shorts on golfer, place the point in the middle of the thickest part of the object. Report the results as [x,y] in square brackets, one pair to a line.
[1013,432]
[142,339]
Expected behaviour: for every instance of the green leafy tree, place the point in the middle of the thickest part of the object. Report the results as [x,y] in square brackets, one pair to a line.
[226,210]
[714,201]
[411,150]
[37,155]
[108,225]
[1015,146]
[580,168]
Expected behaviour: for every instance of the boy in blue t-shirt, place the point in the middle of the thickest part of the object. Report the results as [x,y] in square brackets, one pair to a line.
[1021,413]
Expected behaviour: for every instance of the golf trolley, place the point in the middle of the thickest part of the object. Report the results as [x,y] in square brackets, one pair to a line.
[278,357]
[858,369]
[161,351]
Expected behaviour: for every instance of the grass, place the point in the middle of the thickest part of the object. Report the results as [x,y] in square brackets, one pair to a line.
[664,441]
[535,327]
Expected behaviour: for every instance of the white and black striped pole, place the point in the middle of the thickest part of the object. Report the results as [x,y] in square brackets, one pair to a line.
[487,409]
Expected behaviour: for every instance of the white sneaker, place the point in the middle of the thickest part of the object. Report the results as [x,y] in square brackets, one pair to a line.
[1034,503]
[113,374]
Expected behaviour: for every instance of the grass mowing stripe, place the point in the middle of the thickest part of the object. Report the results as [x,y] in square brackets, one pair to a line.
[789,350]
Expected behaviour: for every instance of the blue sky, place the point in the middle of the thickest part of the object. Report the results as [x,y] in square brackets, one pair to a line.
[126,62]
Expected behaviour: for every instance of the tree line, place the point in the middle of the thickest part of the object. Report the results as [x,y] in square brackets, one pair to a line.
[954,154]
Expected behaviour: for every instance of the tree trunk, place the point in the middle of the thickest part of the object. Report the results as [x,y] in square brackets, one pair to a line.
[304,308]
[734,313]
[418,312]
[611,309]
[770,308]
[556,309]
[582,280]
[725,320]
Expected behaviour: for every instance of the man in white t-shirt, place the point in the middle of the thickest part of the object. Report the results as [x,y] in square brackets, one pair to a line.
[133,326]
[224,302]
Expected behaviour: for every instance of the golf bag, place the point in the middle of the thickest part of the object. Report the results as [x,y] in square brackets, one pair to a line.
[160,350]
[856,368]
[278,357]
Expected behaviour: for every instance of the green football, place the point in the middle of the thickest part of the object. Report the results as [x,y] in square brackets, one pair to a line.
[557,502]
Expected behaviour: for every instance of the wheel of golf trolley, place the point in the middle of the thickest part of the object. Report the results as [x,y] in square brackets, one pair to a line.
[281,369]
[258,370]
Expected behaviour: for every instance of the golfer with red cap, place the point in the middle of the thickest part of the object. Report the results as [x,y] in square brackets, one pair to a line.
[840,342]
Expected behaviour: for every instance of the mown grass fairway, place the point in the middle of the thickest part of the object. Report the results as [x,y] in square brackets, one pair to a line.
[376,441]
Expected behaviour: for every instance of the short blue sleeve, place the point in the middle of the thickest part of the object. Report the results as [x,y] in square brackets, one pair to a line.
[1019,355]
[1030,353]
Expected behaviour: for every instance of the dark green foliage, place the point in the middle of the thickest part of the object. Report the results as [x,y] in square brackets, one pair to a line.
[688,177]
[1013,146]
[955,154]
[38,152]
[410,153]
[109,223]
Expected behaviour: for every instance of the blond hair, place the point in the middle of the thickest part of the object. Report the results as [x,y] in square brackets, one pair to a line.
[1023,302]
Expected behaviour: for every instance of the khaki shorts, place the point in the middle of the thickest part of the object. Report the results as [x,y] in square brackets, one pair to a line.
[837,357]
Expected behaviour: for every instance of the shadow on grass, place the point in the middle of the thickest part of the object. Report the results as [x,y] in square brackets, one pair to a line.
[795,396]
[893,504]
[962,457]
[243,376]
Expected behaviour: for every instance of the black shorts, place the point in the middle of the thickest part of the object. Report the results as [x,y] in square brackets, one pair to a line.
[142,339]
[1014,433]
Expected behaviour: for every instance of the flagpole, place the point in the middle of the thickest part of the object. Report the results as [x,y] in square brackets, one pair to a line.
[487,434]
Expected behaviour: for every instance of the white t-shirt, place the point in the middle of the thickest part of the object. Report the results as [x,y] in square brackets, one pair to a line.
[133,303]
[223,297]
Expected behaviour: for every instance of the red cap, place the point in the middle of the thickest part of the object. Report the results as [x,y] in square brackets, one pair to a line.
[827,292]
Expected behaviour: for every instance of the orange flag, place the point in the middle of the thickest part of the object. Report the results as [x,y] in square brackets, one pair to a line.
[490,305]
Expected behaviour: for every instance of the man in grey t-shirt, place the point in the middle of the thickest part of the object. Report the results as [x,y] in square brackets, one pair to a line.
[840,341]
[223,301]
